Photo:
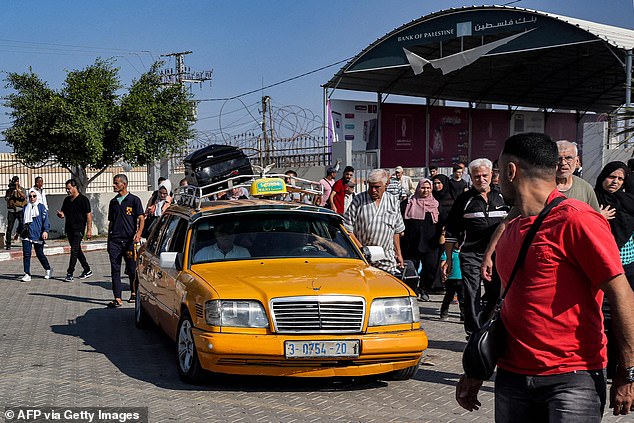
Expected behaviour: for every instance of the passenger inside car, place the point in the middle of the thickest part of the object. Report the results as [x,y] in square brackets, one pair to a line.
[223,248]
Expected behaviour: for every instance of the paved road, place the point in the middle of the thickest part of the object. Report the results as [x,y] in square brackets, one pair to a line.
[60,346]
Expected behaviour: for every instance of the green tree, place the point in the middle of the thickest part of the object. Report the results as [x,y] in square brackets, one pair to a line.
[87,124]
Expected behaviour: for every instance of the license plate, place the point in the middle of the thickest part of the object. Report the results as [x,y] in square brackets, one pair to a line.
[303,349]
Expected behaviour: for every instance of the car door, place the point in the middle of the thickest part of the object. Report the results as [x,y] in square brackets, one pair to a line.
[148,267]
[168,300]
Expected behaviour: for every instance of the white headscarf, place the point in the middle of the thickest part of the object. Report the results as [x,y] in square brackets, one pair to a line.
[158,210]
[31,210]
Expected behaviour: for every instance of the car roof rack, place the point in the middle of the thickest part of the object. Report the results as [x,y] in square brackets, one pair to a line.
[262,185]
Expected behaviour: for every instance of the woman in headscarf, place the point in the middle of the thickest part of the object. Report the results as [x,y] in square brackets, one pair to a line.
[442,193]
[610,194]
[34,231]
[161,202]
[422,234]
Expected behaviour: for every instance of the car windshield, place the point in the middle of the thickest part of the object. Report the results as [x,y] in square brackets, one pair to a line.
[269,235]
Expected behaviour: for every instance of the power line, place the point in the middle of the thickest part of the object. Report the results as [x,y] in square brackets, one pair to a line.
[277,83]
[75,46]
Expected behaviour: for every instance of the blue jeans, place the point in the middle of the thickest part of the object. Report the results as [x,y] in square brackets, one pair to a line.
[569,397]
[39,252]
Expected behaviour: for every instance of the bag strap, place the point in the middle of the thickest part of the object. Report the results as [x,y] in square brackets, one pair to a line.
[527,242]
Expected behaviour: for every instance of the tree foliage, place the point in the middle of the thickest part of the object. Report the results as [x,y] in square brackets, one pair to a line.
[87,124]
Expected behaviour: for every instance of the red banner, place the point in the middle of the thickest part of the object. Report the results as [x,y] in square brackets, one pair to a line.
[402,135]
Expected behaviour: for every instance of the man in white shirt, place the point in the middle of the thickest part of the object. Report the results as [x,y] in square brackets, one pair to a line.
[223,249]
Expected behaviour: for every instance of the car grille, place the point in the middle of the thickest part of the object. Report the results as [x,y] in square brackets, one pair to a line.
[318,314]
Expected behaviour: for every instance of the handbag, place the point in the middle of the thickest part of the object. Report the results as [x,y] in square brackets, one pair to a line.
[485,345]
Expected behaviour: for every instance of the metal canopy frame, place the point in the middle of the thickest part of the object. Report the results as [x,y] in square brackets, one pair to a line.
[554,62]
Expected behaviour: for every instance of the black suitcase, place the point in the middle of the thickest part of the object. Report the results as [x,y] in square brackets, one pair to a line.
[215,163]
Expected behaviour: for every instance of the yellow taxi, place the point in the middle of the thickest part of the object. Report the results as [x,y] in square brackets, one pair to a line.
[272,287]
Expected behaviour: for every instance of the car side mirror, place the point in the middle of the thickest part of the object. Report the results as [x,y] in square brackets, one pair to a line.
[374,253]
[168,260]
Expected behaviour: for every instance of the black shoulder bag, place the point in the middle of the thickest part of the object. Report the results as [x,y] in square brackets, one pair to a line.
[484,346]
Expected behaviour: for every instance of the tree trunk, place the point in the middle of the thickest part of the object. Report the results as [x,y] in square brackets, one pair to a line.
[80,176]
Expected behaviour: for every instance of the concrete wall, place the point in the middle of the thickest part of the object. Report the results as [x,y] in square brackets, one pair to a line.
[99,203]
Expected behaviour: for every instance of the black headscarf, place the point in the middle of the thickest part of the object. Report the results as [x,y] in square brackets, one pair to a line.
[445,200]
[623,223]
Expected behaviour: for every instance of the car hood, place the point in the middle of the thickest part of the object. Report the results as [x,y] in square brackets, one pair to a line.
[266,279]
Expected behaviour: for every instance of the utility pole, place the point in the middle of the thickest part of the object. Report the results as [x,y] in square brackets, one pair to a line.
[180,75]
[267,152]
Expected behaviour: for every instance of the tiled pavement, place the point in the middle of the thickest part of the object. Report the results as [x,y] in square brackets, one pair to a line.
[60,346]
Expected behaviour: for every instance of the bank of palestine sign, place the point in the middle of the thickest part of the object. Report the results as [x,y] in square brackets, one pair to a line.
[491,31]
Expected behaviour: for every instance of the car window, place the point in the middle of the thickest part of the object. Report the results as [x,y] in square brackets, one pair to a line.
[169,234]
[269,235]
[155,236]
[175,234]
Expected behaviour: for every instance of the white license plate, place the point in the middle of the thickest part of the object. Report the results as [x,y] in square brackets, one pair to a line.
[302,349]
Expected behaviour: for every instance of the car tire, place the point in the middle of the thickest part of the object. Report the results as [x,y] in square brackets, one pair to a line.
[141,318]
[404,374]
[187,362]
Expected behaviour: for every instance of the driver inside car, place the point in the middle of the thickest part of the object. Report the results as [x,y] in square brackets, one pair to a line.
[224,248]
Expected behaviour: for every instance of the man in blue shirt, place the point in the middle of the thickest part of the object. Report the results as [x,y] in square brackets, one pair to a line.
[125,224]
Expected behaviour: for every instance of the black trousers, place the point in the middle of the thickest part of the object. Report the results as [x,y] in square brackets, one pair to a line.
[74,239]
[121,249]
[475,312]
[12,218]
[428,263]
[452,287]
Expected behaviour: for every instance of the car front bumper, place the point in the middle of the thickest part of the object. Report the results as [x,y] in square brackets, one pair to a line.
[249,354]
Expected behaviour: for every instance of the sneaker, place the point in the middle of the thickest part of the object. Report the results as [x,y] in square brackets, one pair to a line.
[68,278]
[444,316]
[26,278]
[48,274]
[85,274]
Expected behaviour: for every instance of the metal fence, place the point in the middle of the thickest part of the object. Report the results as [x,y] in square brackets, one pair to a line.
[55,177]
[296,152]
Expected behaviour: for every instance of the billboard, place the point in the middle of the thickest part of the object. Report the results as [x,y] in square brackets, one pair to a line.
[355,121]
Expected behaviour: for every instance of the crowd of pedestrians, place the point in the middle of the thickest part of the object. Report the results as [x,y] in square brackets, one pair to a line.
[462,233]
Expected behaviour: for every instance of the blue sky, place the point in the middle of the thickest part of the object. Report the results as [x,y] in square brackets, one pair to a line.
[248,44]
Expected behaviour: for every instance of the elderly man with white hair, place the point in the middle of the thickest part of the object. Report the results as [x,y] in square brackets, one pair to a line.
[472,220]
[374,218]
[568,184]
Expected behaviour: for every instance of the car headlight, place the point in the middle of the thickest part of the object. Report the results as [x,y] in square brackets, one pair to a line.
[394,311]
[236,313]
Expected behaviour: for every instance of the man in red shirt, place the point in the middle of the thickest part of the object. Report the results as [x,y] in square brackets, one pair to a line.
[552,368]
[338,194]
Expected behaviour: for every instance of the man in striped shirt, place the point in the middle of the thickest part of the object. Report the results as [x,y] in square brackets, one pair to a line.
[374,218]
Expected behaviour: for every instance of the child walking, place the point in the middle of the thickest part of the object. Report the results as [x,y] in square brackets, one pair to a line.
[453,283]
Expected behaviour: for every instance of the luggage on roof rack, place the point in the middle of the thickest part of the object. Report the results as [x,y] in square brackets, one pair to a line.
[215,163]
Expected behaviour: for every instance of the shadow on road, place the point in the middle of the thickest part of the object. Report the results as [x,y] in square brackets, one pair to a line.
[99,301]
[425,374]
[456,346]
[150,356]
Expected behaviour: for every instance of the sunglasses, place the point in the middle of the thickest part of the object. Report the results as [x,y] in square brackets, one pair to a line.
[32,196]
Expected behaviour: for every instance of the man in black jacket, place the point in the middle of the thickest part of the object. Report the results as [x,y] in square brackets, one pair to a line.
[471,222]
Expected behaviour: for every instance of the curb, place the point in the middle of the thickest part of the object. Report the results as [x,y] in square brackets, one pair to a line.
[53,250]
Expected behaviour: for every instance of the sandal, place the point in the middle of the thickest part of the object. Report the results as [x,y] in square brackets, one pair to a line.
[114,304]
[132,298]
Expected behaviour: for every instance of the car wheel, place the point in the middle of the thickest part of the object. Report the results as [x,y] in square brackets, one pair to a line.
[141,319]
[405,373]
[188,365]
